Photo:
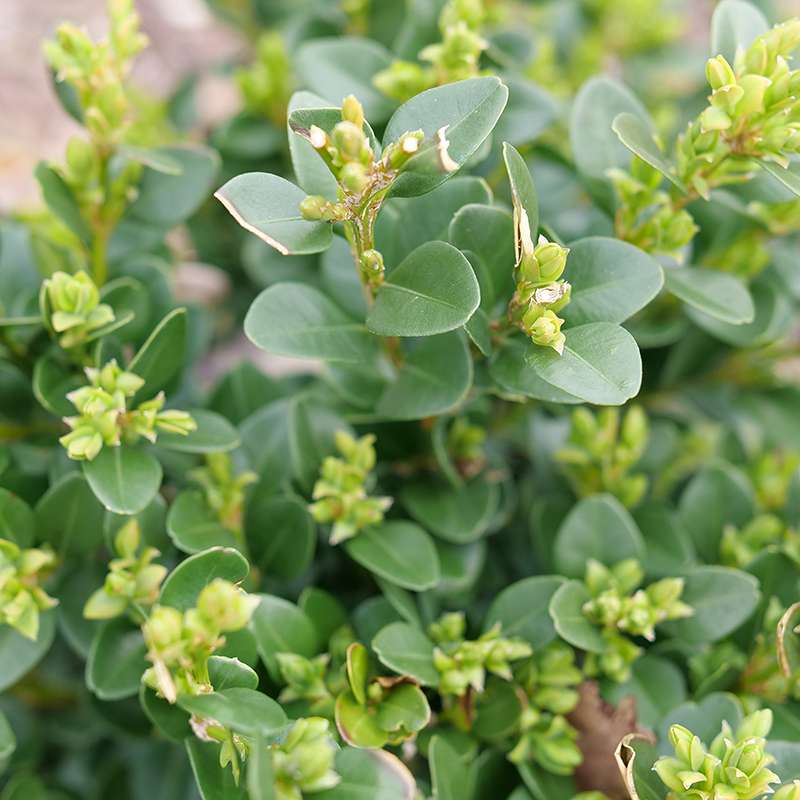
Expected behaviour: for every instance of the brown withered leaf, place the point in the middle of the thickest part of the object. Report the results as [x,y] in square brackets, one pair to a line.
[601,726]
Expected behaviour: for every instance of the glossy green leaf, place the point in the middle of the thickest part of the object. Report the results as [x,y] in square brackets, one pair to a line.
[566,611]
[788,176]
[260,772]
[269,206]
[193,526]
[600,364]
[704,718]
[735,24]
[497,710]
[722,600]
[162,356]
[406,650]
[467,109]
[434,378]
[404,707]
[668,548]
[345,65]
[293,320]
[523,191]
[18,654]
[191,576]
[323,609]
[598,527]
[530,111]
[245,711]
[61,201]
[213,782]
[69,517]
[116,660]
[281,535]
[637,134]
[281,627]
[433,290]
[522,609]
[230,673]
[398,551]
[310,171]
[715,293]
[17,521]
[611,280]
[370,775]
[124,479]
[448,773]
[456,515]
[52,381]
[214,434]
[357,724]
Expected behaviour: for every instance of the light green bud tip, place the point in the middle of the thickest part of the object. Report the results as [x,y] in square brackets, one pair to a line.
[227,606]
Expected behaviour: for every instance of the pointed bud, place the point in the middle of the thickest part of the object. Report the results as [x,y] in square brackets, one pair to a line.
[353,111]
[719,72]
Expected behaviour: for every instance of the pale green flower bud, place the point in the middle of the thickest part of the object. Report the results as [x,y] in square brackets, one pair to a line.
[313,207]
[127,540]
[227,606]
[756,725]
[714,119]
[163,627]
[545,331]
[349,140]
[174,421]
[354,177]
[719,72]
[353,111]
[755,87]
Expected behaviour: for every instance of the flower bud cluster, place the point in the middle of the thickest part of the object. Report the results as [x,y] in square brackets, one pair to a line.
[303,762]
[96,70]
[104,418]
[465,444]
[21,596]
[266,84]
[735,767]
[224,491]
[646,215]
[306,680]
[341,493]
[540,294]
[771,475]
[619,607]
[179,643]
[462,664]
[456,57]
[739,546]
[603,449]
[133,581]
[549,680]
[73,309]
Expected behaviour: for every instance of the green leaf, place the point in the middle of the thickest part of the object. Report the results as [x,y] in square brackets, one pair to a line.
[773,316]
[166,200]
[668,548]
[522,609]
[260,772]
[637,134]
[467,109]
[717,496]
[213,782]
[788,176]
[8,742]
[600,364]
[611,280]
[479,331]
[405,223]
[214,434]
[656,683]
[345,65]
[339,278]
[433,290]
[281,534]
[52,382]
[598,527]
[405,707]
[735,24]
[530,111]
[595,146]
[434,378]
[715,293]
[230,673]
[370,775]
[124,479]
[61,201]
[523,190]
[242,391]
[406,650]
[281,627]
[636,756]
[116,660]
[458,515]
[193,526]
[448,771]
[245,711]
[460,565]
[18,654]
[497,710]
[324,610]
[156,159]
[162,356]
[17,522]
[290,319]
[357,723]
[705,718]
[269,206]
[191,576]
[787,759]
[69,516]
[722,600]
[398,551]
[310,171]
[487,232]
[566,611]
[512,374]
